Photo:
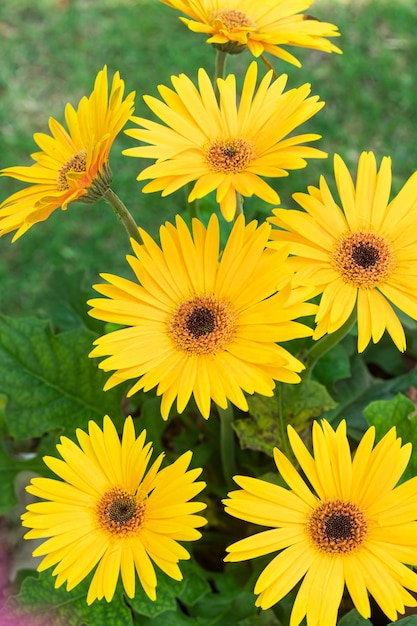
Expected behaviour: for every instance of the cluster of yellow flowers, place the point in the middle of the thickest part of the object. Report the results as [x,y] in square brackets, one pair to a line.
[202,321]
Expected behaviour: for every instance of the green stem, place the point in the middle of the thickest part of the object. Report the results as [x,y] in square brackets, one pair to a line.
[239,205]
[285,444]
[220,69]
[227,444]
[123,214]
[327,342]
[193,207]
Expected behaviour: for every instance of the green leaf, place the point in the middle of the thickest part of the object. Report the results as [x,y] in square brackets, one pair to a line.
[49,380]
[407,621]
[9,468]
[195,585]
[356,393]
[332,366]
[166,591]
[65,295]
[38,597]
[171,618]
[353,619]
[300,404]
[383,414]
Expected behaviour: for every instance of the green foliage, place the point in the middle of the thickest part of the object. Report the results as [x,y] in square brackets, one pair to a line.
[353,619]
[398,412]
[48,380]
[300,404]
[55,607]
[49,386]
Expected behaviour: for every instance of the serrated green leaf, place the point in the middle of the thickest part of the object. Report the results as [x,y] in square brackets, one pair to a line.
[49,380]
[301,403]
[166,591]
[353,619]
[383,414]
[56,607]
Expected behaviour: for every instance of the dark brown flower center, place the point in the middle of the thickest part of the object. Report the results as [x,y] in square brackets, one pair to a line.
[120,513]
[231,19]
[77,164]
[230,156]
[337,527]
[364,259]
[202,325]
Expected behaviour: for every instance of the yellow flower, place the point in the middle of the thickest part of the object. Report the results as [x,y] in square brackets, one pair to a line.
[110,511]
[226,147]
[362,253]
[233,25]
[73,164]
[353,526]
[199,324]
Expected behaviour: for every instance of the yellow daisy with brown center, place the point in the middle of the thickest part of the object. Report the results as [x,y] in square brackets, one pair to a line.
[259,26]
[361,252]
[72,164]
[111,513]
[197,322]
[351,526]
[225,145]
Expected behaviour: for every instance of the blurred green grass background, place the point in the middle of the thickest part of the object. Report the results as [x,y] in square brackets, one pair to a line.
[53,49]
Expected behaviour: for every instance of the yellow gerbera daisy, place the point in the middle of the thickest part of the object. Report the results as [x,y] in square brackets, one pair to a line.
[260,26]
[111,512]
[225,146]
[361,253]
[352,527]
[73,164]
[199,324]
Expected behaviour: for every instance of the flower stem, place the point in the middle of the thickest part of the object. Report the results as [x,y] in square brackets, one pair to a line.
[327,342]
[227,444]
[239,205]
[123,214]
[285,444]
[193,207]
[220,69]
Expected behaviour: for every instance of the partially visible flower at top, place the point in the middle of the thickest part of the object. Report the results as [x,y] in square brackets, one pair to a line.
[111,512]
[200,323]
[72,165]
[259,25]
[226,147]
[351,525]
[360,254]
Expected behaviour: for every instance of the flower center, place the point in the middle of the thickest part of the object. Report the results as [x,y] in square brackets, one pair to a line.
[78,163]
[203,325]
[230,157]
[120,513]
[231,18]
[364,259]
[337,527]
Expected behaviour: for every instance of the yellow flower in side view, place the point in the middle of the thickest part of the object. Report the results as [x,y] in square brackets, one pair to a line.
[352,527]
[111,511]
[360,253]
[233,25]
[225,146]
[200,323]
[72,165]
